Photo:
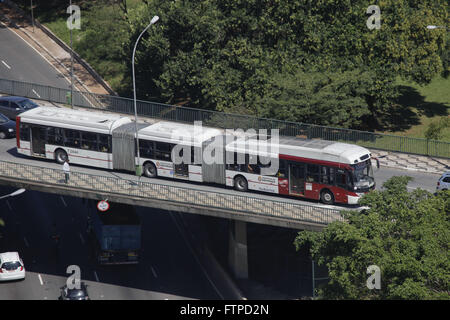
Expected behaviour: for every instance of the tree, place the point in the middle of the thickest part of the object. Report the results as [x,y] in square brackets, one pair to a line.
[404,233]
[248,56]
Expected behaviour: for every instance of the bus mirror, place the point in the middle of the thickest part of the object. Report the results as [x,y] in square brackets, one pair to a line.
[378,163]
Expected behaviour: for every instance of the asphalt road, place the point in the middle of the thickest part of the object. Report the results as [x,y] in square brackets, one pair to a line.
[167,269]
[20,62]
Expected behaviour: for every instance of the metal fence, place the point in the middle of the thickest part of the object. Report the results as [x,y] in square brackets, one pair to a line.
[235,204]
[226,120]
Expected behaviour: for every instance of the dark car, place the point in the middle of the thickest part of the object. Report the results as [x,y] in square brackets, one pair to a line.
[7,127]
[74,294]
[12,106]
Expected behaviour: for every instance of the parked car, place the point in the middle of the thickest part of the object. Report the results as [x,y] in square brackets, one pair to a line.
[12,106]
[444,182]
[7,127]
[74,294]
[11,266]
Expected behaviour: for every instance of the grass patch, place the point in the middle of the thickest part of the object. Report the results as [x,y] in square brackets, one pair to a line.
[420,106]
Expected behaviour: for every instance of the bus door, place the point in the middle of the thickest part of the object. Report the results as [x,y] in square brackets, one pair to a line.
[181,170]
[297,178]
[38,141]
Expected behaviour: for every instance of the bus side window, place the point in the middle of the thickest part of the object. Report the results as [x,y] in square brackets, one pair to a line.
[341,178]
[89,141]
[24,132]
[146,148]
[312,173]
[104,143]
[327,175]
[282,168]
[163,151]
[71,138]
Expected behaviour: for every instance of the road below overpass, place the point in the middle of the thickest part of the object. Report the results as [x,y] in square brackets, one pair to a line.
[167,269]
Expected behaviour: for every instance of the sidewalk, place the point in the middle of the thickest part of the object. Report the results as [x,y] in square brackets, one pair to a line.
[411,162]
[18,23]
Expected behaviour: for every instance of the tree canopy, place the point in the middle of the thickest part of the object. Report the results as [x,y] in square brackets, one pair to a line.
[310,61]
[406,234]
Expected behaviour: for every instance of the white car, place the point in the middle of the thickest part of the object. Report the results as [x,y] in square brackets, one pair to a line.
[444,182]
[11,266]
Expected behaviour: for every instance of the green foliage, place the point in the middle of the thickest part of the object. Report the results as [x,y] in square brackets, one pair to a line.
[297,60]
[434,130]
[405,234]
[310,61]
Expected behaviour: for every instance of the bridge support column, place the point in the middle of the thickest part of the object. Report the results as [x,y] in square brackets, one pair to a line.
[237,249]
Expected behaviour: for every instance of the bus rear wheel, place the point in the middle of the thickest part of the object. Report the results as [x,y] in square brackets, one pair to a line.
[60,156]
[150,170]
[240,183]
[327,197]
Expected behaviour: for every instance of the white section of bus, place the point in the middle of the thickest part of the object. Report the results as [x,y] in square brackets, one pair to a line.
[46,125]
[176,134]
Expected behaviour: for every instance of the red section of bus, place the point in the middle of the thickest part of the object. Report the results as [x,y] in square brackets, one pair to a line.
[283,186]
[312,189]
[18,131]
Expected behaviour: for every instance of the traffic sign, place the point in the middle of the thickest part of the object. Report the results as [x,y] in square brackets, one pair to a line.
[102,205]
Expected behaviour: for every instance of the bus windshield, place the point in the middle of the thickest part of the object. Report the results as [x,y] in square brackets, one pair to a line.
[363,178]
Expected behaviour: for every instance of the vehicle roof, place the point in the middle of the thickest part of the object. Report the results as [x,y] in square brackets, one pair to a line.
[9,256]
[14,98]
[179,132]
[71,118]
[306,148]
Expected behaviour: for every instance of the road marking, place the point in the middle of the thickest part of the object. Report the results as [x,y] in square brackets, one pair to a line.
[96,276]
[62,199]
[26,242]
[35,93]
[82,239]
[40,280]
[6,64]
[9,206]
[154,272]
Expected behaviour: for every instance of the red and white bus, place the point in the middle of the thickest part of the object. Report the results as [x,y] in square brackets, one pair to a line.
[331,172]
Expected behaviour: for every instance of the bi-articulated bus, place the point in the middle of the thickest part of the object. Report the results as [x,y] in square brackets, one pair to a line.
[331,172]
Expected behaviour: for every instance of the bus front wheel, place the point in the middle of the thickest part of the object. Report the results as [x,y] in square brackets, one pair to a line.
[150,170]
[60,156]
[240,183]
[327,197]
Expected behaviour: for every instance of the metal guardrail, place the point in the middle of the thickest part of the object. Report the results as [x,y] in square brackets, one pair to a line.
[189,197]
[229,121]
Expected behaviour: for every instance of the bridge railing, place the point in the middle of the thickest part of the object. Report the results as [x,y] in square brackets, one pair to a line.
[236,204]
[226,120]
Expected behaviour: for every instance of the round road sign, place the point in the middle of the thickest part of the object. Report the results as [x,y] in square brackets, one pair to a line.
[102,206]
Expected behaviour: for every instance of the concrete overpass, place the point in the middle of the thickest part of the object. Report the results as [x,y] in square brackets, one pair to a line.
[239,209]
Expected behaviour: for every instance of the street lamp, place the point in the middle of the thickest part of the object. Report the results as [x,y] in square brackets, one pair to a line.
[431,27]
[138,168]
[15,193]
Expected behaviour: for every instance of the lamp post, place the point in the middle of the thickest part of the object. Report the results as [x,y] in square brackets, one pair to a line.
[15,193]
[138,167]
[71,65]
[32,14]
